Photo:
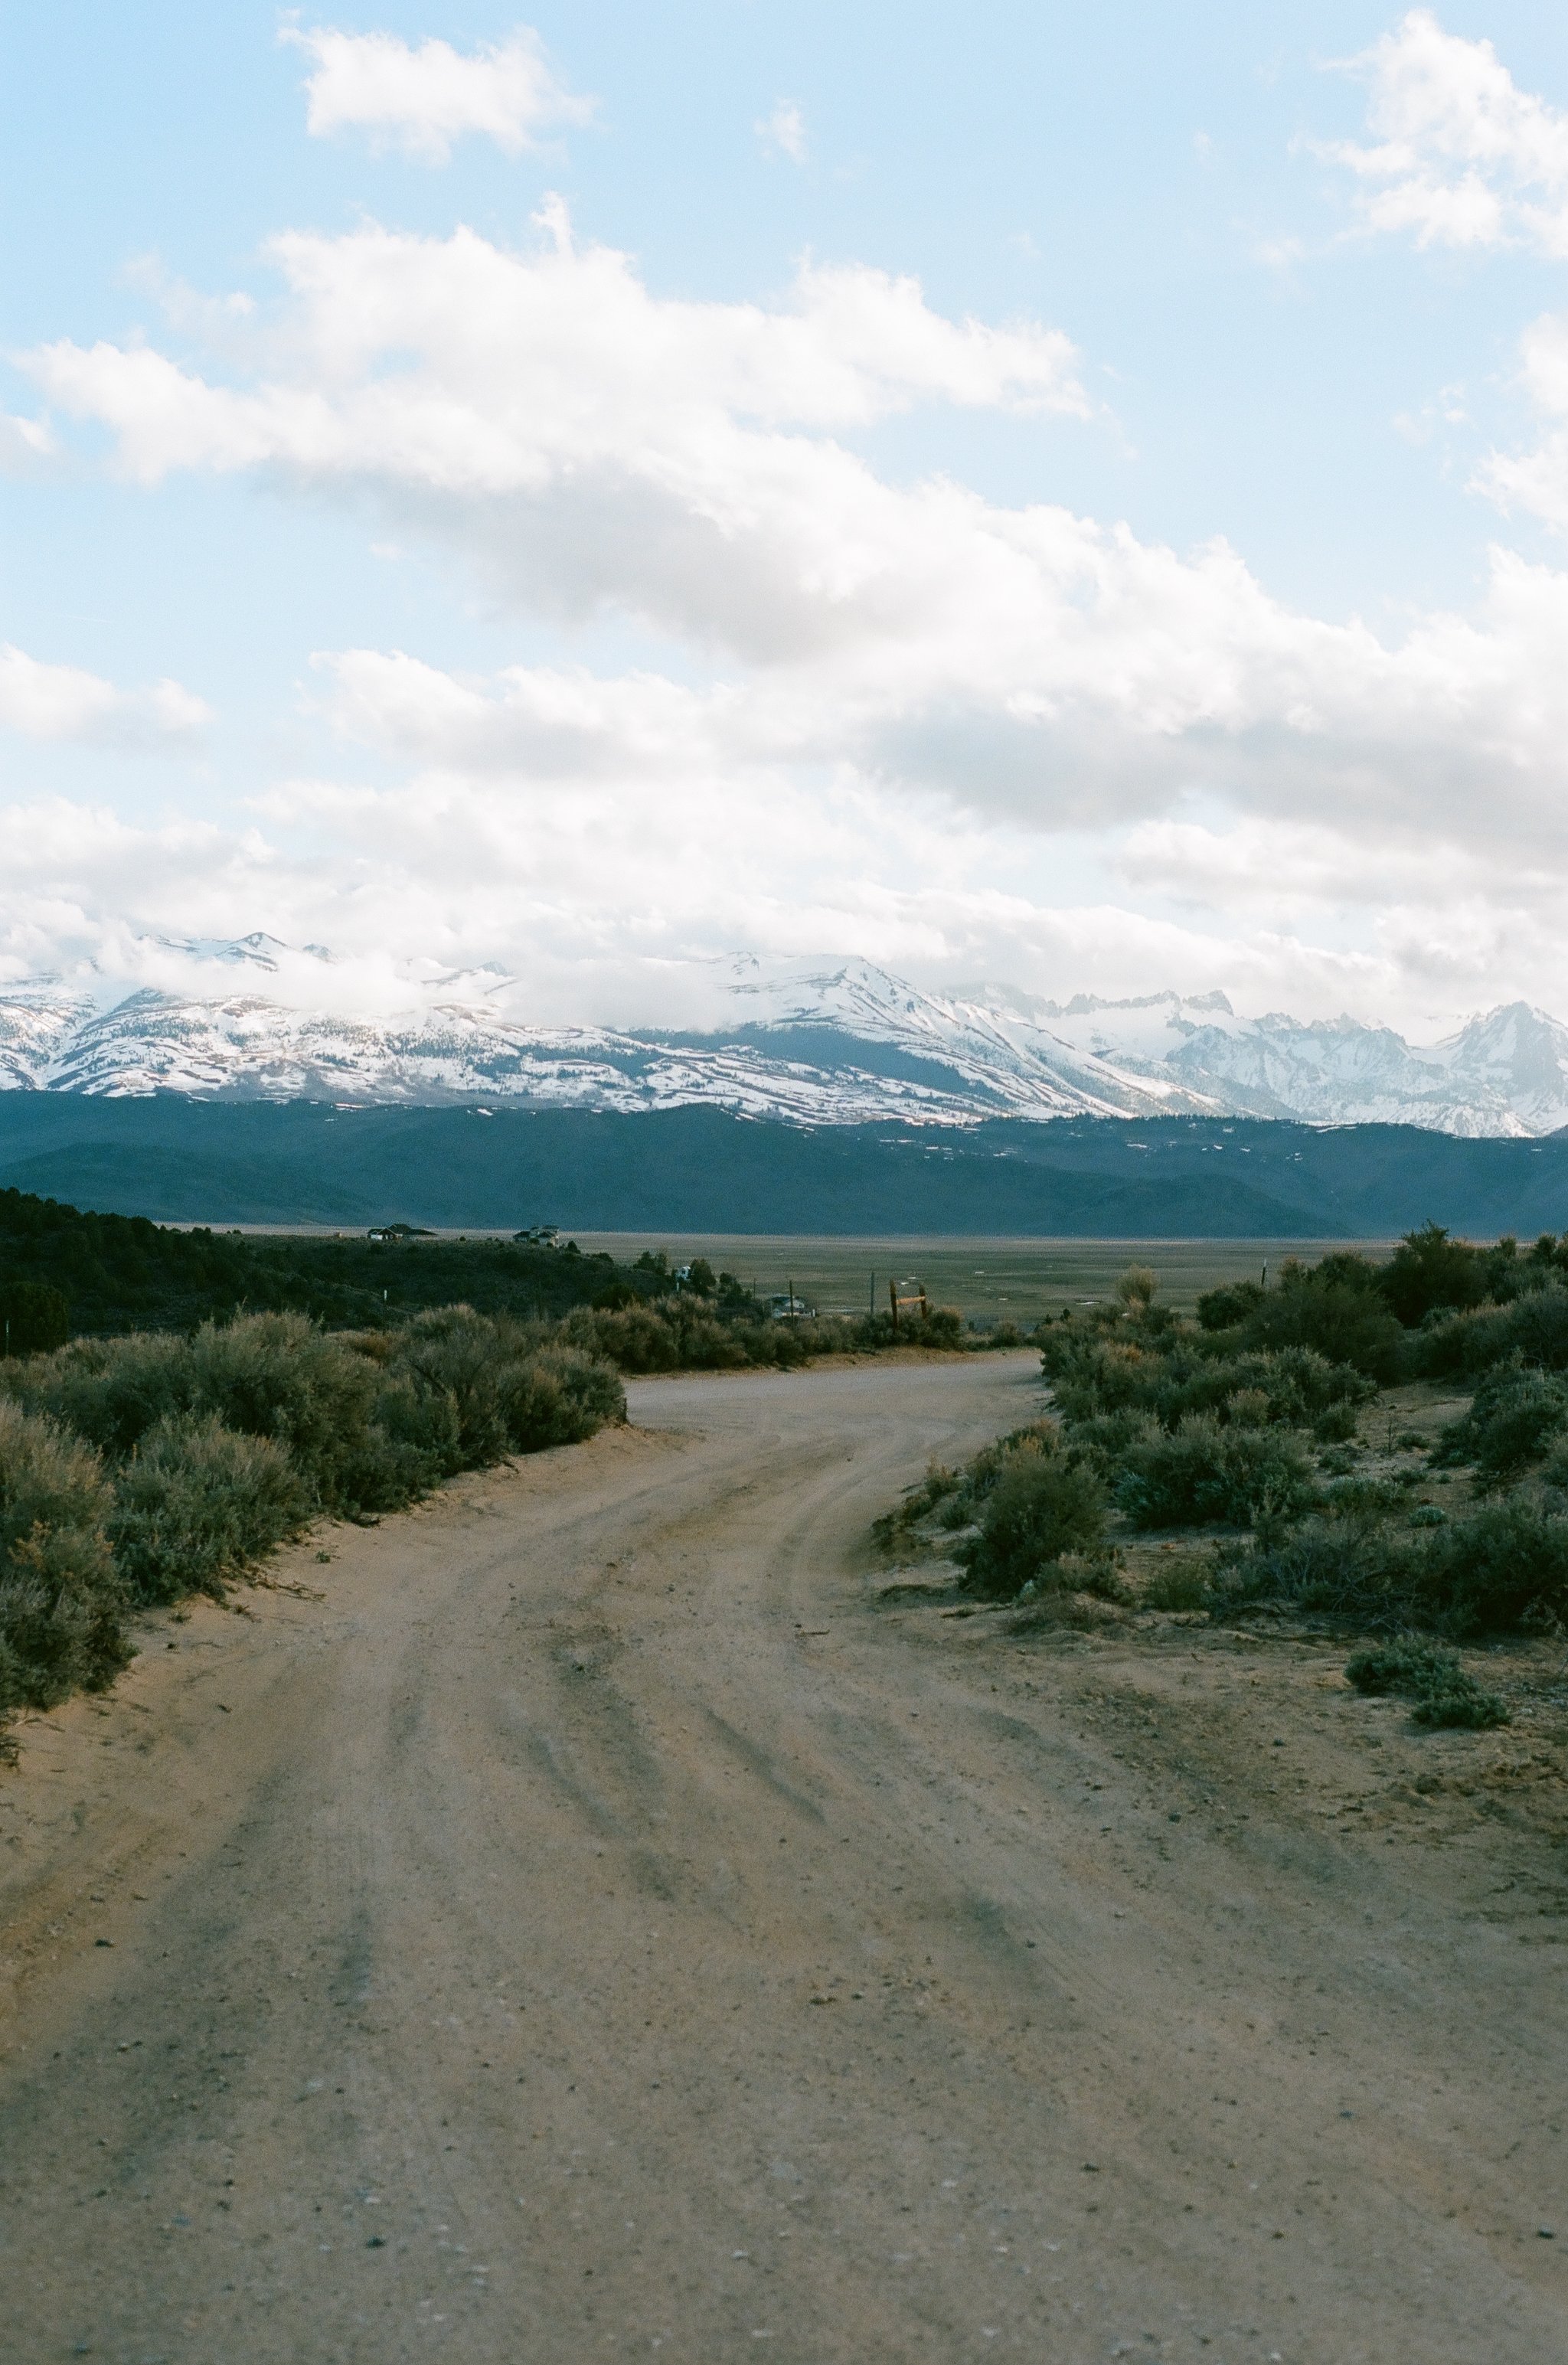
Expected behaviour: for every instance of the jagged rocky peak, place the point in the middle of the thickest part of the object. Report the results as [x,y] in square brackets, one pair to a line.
[809,1041]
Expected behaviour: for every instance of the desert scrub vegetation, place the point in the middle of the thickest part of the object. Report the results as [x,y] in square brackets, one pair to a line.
[1250,1462]
[62,1599]
[1026,1513]
[135,1470]
[689,1332]
[1043,1506]
[1415,1668]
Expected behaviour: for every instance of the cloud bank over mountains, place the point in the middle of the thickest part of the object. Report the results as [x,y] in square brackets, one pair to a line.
[823,698]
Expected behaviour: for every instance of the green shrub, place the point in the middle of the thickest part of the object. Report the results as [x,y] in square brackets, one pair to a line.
[1136,1287]
[1405,1665]
[1095,1375]
[1538,1325]
[637,1338]
[218,1446]
[454,1354]
[277,1376]
[1106,1437]
[1463,1705]
[1227,1308]
[1411,1668]
[1043,1504]
[1337,1567]
[1513,1418]
[62,1600]
[505,1391]
[1335,1307]
[1205,1472]
[1429,1269]
[414,1442]
[1299,1388]
[1365,1502]
[616,1297]
[559,1396]
[962,1503]
[1534,1329]
[687,1334]
[1180,1582]
[1502,1569]
[110,1391]
[196,1505]
[1091,1374]
[679,1334]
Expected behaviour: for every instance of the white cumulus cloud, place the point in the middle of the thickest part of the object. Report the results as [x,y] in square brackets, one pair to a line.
[1459,156]
[422,99]
[594,448]
[903,719]
[784,131]
[1535,480]
[65,702]
[25,445]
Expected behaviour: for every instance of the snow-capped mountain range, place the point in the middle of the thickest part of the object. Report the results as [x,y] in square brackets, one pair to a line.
[813,1042]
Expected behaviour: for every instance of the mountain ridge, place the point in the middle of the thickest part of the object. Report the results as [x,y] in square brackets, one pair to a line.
[814,1042]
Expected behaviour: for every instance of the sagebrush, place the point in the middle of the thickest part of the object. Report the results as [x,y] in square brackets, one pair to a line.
[139,1469]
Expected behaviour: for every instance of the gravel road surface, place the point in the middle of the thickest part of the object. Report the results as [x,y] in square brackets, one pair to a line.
[581,1920]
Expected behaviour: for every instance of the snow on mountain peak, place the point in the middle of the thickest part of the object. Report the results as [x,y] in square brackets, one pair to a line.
[809,1040]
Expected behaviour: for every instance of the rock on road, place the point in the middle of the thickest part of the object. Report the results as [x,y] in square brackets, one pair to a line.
[581,1922]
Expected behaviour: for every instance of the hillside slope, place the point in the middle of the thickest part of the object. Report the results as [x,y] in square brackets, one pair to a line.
[703,1169]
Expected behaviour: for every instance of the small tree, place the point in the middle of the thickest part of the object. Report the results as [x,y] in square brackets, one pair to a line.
[1136,1287]
[1429,1269]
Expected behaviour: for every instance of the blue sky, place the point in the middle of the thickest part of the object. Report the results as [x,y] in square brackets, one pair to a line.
[1068,495]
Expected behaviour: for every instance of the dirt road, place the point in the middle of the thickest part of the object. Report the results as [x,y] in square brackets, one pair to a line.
[596,1927]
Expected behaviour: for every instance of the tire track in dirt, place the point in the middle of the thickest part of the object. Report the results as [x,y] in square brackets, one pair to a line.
[596,1927]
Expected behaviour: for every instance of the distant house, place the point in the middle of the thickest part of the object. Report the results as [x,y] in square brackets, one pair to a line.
[538,1236]
[400,1232]
[788,1307]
